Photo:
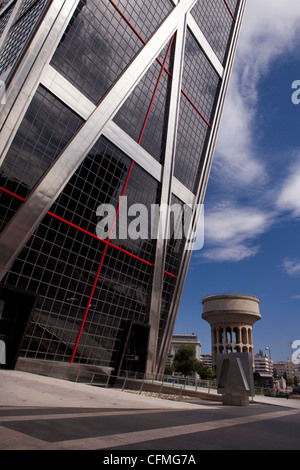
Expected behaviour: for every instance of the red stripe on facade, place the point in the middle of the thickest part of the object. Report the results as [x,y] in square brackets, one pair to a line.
[229,9]
[156,88]
[169,274]
[166,70]
[127,21]
[107,242]
[76,227]
[100,267]
[12,194]
[88,307]
[85,231]
[195,107]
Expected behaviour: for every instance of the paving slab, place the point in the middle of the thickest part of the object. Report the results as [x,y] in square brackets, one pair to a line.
[39,413]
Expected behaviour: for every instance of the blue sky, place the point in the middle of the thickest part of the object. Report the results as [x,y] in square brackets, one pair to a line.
[252,204]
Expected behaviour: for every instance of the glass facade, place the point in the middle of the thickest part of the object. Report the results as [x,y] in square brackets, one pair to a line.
[46,128]
[20,33]
[4,18]
[145,113]
[217,24]
[102,38]
[94,299]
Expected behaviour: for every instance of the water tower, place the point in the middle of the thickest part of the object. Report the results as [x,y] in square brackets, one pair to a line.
[231,317]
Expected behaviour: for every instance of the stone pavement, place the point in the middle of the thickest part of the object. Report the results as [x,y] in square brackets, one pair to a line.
[42,413]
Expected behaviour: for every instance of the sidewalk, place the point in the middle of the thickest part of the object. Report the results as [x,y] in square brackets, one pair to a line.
[25,389]
[288,403]
[43,413]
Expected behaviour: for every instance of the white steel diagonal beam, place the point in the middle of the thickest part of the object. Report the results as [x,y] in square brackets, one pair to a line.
[165,201]
[25,221]
[199,198]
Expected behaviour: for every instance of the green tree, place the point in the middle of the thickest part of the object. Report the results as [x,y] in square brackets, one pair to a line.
[289,381]
[168,370]
[186,363]
[184,360]
[204,371]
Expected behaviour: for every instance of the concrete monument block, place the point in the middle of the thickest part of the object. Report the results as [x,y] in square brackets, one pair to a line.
[235,378]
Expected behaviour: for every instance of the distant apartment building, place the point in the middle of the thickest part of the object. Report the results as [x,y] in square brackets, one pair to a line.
[280,368]
[207,360]
[263,371]
[262,363]
[183,339]
[287,368]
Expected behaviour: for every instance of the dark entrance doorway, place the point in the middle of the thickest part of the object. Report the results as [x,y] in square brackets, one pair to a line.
[133,348]
[135,355]
[15,310]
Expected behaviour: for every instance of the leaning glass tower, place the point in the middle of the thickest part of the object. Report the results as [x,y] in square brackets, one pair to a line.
[102,100]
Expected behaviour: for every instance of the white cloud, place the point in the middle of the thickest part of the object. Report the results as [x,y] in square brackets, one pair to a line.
[227,223]
[292,266]
[230,253]
[234,158]
[230,232]
[270,30]
[289,194]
